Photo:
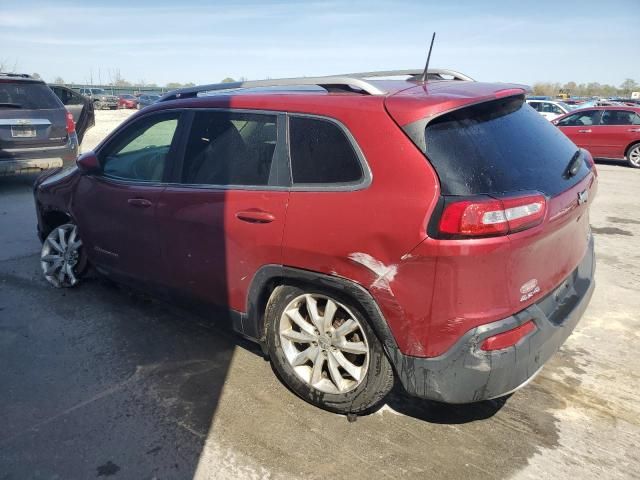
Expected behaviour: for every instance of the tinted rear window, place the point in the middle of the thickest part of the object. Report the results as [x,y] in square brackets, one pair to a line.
[497,147]
[29,96]
[321,153]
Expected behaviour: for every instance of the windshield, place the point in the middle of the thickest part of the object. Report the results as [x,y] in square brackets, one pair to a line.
[99,91]
[499,147]
[30,96]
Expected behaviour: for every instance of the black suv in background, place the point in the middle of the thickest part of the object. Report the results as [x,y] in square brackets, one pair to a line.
[36,131]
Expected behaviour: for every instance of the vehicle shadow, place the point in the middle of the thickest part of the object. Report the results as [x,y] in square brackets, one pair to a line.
[102,381]
[614,163]
[441,413]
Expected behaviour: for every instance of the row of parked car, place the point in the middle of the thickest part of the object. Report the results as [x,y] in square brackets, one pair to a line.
[103,100]
[609,130]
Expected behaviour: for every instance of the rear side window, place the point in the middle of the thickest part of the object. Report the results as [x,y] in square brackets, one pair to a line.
[499,147]
[28,96]
[321,153]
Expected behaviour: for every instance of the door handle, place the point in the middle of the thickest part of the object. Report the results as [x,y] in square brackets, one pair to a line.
[584,131]
[255,216]
[139,202]
[634,130]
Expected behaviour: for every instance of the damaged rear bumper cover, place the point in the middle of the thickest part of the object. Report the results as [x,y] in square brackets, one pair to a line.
[466,374]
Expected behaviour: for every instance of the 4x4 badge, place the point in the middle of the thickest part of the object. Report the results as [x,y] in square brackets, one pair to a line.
[529,289]
[583,197]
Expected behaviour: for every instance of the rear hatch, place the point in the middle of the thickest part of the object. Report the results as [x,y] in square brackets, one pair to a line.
[31,116]
[512,221]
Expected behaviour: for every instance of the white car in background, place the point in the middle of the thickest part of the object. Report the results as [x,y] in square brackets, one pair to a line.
[550,109]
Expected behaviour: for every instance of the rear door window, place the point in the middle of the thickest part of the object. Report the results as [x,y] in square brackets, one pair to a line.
[617,117]
[27,96]
[230,148]
[499,147]
[321,153]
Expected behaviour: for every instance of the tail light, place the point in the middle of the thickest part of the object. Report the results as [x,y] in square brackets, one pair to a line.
[488,216]
[509,338]
[71,125]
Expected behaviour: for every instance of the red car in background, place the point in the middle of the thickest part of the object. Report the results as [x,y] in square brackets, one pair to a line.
[607,132]
[127,101]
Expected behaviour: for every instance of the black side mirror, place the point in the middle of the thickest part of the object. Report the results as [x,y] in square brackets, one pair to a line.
[88,163]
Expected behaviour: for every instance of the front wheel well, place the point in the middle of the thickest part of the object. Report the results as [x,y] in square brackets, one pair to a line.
[53,219]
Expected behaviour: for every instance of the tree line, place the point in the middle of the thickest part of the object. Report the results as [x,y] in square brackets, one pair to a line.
[592,89]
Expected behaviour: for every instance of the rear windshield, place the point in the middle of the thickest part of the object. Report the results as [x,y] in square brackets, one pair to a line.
[499,146]
[29,96]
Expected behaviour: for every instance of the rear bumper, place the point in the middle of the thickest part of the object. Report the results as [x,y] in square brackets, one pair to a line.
[466,374]
[31,160]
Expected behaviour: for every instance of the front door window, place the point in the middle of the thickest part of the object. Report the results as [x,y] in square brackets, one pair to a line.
[142,154]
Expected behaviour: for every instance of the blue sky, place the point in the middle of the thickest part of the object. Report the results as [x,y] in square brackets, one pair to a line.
[203,42]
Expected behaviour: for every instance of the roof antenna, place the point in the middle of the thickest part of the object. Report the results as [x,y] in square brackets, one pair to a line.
[423,77]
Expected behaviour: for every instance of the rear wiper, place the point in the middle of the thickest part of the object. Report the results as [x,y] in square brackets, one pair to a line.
[574,165]
[10,105]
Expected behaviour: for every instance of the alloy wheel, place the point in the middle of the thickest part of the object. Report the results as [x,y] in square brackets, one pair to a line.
[634,156]
[324,343]
[61,258]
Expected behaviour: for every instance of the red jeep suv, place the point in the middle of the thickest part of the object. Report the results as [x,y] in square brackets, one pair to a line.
[359,228]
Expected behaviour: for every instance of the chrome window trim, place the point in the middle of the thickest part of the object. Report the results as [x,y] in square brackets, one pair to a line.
[364,182]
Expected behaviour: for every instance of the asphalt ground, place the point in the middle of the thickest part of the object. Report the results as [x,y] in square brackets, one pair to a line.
[97,382]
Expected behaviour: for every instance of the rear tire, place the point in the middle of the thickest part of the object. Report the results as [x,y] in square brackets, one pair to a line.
[324,350]
[633,155]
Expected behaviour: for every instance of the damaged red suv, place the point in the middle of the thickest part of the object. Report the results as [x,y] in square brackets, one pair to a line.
[360,228]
